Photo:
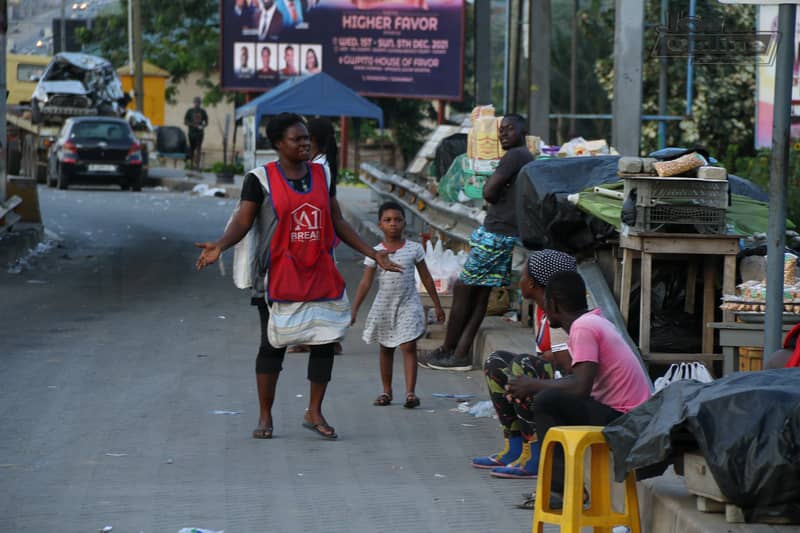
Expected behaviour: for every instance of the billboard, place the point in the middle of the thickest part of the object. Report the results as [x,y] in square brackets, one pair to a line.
[404,48]
[765,88]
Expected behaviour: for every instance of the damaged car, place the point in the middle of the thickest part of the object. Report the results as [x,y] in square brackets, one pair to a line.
[77,84]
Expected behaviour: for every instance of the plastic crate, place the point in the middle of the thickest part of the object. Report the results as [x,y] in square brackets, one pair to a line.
[680,219]
[681,191]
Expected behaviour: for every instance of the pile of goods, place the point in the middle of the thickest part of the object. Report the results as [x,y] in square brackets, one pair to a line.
[484,150]
[681,195]
[580,147]
[750,299]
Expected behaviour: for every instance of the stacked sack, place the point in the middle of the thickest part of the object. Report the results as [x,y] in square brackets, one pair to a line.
[482,140]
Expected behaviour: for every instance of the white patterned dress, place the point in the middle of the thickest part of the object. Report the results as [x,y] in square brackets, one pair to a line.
[396,316]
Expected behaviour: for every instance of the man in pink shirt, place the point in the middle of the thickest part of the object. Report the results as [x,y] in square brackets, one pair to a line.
[606,381]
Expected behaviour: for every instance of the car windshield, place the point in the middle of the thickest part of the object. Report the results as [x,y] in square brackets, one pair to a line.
[110,131]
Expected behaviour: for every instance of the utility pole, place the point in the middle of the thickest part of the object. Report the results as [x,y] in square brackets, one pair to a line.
[137,55]
[626,125]
[778,179]
[483,52]
[3,97]
[539,33]
[573,72]
[63,24]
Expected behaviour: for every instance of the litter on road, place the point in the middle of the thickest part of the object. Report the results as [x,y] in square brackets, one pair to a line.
[224,412]
[453,396]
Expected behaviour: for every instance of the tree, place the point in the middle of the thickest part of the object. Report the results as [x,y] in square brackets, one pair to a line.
[723,111]
[181,36]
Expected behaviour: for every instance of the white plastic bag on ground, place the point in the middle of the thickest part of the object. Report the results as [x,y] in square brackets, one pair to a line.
[444,266]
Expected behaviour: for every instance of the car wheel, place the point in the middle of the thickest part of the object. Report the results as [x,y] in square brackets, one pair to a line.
[62,180]
[125,184]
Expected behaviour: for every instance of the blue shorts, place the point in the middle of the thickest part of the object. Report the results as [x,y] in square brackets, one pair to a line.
[489,261]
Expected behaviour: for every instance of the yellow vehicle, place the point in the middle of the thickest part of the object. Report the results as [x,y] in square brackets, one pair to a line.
[22,74]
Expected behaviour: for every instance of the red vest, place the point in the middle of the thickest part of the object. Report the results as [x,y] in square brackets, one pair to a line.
[301,267]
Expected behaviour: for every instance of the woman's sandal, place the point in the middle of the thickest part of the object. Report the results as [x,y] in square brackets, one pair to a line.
[411,401]
[322,429]
[262,433]
[383,400]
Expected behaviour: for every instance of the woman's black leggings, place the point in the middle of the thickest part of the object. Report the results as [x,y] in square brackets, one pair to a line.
[270,359]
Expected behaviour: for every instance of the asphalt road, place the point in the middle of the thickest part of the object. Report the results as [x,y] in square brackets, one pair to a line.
[115,353]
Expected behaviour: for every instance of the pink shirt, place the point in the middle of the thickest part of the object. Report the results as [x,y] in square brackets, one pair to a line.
[620,382]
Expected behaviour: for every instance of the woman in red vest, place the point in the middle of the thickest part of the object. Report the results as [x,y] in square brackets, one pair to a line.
[296,217]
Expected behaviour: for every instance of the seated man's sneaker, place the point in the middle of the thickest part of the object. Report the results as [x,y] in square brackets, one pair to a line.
[510,453]
[525,467]
[448,361]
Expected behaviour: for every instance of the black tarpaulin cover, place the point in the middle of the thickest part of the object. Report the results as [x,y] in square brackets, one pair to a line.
[747,425]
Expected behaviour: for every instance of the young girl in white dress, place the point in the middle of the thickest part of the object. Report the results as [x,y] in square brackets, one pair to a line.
[396,317]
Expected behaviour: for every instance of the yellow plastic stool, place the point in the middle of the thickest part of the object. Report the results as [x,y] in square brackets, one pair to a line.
[572,517]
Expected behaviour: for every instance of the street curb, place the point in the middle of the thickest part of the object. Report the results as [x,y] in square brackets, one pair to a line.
[173,184]
[19,241]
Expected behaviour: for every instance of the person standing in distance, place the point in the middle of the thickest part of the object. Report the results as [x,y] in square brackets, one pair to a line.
[491,246]
[196,120]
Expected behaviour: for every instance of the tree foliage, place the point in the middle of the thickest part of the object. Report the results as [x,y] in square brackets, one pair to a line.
[180,36]
[723,109]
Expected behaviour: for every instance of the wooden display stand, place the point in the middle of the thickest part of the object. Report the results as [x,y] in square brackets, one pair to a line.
[675,246]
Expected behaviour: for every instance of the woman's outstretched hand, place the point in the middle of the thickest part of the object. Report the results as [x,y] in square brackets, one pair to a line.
[209,255]
[382,258]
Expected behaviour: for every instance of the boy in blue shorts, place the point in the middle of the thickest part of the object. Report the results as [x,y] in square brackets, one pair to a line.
[491,246]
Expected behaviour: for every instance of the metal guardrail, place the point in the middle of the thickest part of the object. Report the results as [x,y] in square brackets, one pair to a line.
[454,222]
[7,215]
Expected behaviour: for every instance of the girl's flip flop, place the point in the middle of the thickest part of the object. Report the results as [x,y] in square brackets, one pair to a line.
[411,401]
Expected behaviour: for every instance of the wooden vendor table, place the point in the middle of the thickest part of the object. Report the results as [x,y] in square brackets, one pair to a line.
[734,335]
[692,248]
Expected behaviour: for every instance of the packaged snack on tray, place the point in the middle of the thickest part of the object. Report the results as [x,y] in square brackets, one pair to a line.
[680,166]
[789,269]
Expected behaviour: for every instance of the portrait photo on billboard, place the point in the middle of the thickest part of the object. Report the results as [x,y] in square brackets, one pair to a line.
[293,13]
[269,21]
[289,59]
[311,55]
[267,59]
[244,16]
[244,59]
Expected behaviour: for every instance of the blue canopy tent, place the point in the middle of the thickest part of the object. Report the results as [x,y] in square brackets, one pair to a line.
[318,94]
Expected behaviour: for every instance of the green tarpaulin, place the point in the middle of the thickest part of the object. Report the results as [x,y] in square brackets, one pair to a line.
[745,216]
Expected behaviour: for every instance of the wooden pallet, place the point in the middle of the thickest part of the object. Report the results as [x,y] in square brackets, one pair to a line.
[701,483]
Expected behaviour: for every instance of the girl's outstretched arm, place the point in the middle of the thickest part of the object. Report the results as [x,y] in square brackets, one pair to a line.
[427,282]
[361,293]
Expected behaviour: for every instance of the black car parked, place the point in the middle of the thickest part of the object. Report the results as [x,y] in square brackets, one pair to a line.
[95,150]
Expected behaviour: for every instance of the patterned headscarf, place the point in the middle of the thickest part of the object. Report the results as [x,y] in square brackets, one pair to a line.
[542,265]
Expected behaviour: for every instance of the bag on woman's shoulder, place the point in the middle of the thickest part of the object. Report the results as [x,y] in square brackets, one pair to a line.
[311,323]
[244,252]
[680,371]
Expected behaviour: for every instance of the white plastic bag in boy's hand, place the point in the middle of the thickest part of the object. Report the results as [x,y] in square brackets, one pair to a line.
[677,372]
